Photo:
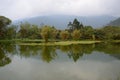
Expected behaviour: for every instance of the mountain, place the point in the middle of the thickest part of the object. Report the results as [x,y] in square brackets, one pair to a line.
[61,21]
[115,22]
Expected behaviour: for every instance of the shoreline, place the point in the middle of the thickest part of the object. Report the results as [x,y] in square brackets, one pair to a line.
[56,43]
[61,43]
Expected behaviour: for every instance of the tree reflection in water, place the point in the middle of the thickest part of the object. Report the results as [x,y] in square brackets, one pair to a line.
[93,62]
[4,59]
[77,51]
[49,53]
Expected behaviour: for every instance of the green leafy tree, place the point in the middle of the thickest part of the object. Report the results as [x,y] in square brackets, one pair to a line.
[99,34]
[64,35]
[88,32]
[33,32]
[45,32]
[54,33]
[11,32]
[76,34]
[116,35]
[111,32]
[24,30]
[3,26]
[75,25]
[48,32]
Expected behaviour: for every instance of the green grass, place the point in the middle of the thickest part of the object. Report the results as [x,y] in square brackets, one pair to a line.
[52,43]
[30,41]
[116,41]
[61,43]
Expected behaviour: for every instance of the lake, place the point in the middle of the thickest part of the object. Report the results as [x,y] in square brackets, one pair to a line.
[75,62]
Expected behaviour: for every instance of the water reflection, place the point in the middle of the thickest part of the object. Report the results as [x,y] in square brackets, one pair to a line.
[49,53]
[109,48]
[32,69]
[75,62]
[4,59]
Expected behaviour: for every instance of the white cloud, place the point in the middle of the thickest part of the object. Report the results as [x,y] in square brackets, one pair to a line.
[16,9]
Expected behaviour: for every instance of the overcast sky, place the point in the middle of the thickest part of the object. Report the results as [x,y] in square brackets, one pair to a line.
[18,9]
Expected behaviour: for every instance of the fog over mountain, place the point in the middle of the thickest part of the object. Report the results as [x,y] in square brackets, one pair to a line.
[115,22]
[61,21]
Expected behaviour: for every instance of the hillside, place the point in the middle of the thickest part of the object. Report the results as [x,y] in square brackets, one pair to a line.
[115,22]
[61,21]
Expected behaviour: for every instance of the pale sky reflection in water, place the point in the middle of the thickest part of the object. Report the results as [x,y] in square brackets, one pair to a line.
[87,68]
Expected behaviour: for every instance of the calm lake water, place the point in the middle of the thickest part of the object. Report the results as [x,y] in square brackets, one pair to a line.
[75,62]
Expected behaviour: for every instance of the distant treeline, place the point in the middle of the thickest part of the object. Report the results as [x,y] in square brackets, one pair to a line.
[74,31]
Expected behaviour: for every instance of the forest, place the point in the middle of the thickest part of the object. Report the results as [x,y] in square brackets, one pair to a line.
[74,31]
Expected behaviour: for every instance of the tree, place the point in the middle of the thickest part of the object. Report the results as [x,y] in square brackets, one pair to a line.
[54,33]
[76,34]
[48,32]
[45,32]
[88,32]
[99,34]
[24,30]
[3,26]
[11,32]
[70,26]
[111,32]
[75,25]
[116,35]
[64,35]
[33,32]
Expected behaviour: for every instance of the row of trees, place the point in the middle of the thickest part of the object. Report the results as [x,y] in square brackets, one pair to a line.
[74,31]
[49,32]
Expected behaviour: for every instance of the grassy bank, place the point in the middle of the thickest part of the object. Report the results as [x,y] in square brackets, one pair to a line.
[61,43]
[53,43]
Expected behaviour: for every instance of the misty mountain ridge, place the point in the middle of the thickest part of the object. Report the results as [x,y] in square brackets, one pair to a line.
[61,21]
[115,22]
